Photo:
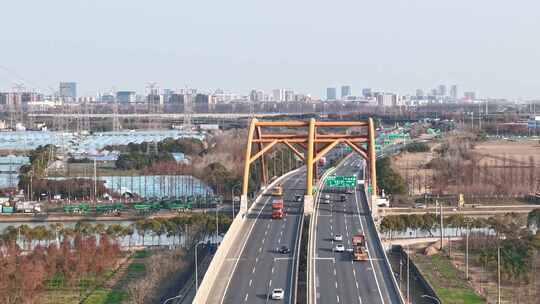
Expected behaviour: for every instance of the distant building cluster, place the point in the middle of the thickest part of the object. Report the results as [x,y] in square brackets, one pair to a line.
[368,96]
[197,101]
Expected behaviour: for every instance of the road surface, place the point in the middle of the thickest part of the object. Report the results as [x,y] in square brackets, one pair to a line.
[338,279]
[260,267]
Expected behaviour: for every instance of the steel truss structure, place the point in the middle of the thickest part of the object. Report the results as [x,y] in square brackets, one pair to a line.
[310,143]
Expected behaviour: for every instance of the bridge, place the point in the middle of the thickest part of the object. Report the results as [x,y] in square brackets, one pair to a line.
[160,116]
[247,266]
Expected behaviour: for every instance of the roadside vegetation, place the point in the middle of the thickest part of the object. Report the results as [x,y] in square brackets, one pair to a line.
[417,147]
[517,238]
[58,264]
[447,281]
[388,178]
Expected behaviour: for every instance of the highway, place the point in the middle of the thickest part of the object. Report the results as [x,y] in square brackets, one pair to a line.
[260,267]
[338,279]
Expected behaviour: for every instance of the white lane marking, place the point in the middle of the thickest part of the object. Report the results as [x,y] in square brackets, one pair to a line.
[245,299]
[331,259]
[253,271]
[337,297]
[363,232]
[279,240]
[335,271]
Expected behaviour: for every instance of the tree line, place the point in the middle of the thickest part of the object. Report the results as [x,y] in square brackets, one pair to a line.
[78,261]
[57,257]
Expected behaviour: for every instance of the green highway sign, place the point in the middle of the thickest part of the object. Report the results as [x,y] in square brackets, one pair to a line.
[341,181]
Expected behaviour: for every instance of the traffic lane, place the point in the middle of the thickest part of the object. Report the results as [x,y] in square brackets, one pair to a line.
[365,273]
[365,284]
[325,287]
[359,284]
[243,277]
[264,272]
[380,287]
[384,273]
[326,291]
[344,273]
[282,265]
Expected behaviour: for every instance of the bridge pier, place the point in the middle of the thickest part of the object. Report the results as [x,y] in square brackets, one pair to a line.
[308,205]
[243,204]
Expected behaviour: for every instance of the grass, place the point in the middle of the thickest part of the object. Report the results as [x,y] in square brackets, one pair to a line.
[136,268]
[447,281]
[105,296]
[141,254]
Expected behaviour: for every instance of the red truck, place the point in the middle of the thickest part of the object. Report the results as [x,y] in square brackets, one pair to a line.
[359,248]
[277,209]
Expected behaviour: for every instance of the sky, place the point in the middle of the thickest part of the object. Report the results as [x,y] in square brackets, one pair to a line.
[489,46]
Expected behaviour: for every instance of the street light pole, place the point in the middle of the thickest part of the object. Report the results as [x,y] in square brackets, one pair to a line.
[232,198]
[408,273]
[467,250]
[196,268]
[217,223]
[499,274]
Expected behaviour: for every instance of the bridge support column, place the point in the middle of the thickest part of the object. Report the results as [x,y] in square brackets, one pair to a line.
[308,205]
[243,204]
[374,208]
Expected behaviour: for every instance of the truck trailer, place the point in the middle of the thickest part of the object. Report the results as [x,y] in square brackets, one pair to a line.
[359,248]
[277,209]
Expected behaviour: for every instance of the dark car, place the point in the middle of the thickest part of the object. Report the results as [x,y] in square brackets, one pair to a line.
[284,250]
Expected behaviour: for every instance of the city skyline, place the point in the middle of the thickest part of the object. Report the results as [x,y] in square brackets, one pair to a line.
[231,46]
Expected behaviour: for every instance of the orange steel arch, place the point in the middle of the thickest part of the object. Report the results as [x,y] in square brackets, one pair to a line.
[308,145]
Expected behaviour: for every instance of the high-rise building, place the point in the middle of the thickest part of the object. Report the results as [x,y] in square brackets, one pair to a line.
[331,93]
[367,92]
[289,95]
[68,90]
[454,91]
[345,91]
[419,93]
[256,95]
[126,97]
[386,99]
[441,90]
[277,95]
[470,95]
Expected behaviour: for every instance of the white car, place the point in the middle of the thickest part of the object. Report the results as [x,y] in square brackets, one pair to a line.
[327,196]
[338,237]
[339,248]
[278,294]
[325,201]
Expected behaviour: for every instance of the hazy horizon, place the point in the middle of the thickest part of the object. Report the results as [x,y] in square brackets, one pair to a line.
[484,46]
